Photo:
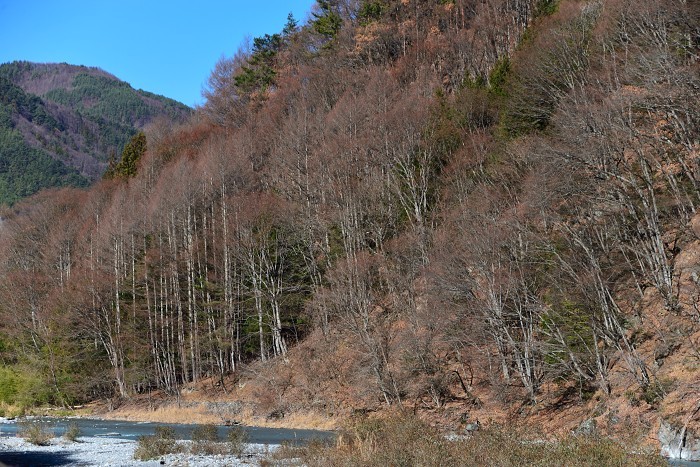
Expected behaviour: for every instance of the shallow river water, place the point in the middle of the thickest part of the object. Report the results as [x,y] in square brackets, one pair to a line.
[132,430]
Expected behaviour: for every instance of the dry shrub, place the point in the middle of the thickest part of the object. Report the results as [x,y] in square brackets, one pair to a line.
[36,433]
[207,432]
[236,440]
[156,445]
[405,440]
[397,440]
[498,445]
[205,440]
[298,454]
[72,432]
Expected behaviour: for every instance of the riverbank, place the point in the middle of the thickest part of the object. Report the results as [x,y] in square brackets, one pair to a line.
[99,451]
[171,413]
[201,407]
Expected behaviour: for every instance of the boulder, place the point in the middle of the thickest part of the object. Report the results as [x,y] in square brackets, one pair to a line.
[587,427]
[678,443]
[472,427]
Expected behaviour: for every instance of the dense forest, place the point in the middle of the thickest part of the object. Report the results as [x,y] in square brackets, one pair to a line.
[397,203]
[60,124]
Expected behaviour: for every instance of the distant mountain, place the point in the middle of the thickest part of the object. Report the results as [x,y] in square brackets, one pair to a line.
[61,123]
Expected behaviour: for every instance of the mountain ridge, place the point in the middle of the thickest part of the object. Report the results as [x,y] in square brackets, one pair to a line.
[79,116]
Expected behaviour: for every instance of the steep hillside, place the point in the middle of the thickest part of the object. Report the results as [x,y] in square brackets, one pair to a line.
[61,123]
[469,209]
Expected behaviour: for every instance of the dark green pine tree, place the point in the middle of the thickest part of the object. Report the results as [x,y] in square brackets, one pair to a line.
[328,22]
[291,27]
[131,154]
[259,72]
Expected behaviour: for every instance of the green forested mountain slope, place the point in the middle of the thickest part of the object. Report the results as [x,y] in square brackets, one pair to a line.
[60,124]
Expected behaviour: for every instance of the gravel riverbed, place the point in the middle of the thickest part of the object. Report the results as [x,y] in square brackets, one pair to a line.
[98,451]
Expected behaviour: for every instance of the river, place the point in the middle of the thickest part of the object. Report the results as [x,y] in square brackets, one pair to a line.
[133,430]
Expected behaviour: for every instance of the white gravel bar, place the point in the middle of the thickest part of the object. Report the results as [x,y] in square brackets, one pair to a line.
[96,451]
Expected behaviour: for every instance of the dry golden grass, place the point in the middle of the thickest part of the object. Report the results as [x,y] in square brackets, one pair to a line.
[171,413]
[308,420]
[405,440]
[163,414]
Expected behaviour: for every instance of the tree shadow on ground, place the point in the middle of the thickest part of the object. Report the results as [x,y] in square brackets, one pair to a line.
[38,459]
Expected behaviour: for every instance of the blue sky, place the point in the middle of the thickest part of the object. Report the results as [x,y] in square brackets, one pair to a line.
[166,47]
